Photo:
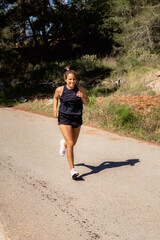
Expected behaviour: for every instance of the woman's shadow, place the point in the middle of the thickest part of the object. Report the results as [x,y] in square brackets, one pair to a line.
[104,166]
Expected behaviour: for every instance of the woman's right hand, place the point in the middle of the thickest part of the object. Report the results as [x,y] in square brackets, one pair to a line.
[55,115]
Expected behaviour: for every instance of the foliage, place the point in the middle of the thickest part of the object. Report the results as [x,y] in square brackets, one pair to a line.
[121,118]
[136,58]
[43,71]
[55,30]
[98,91]
[92,101]
[38,38]
[122,115]
[90,61]
[141,30]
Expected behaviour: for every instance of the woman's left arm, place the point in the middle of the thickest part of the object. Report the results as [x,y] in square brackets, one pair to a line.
[83,95]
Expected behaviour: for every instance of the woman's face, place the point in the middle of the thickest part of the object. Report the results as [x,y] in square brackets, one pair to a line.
[71,81]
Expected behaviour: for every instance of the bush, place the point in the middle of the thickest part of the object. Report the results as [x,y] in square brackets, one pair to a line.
[98,91]
[90,62]
[43,71]
[137,57]
[92,101]
[122,115]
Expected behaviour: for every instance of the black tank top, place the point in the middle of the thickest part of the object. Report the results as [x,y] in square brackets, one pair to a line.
[69,102]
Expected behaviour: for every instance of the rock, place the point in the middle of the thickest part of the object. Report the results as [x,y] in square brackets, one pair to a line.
[22,99]
[117,83]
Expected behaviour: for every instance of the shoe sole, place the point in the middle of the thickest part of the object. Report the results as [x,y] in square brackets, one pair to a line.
[75,176]
[62,155]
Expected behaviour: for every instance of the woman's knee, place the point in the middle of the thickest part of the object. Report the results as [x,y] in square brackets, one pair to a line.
[70,144]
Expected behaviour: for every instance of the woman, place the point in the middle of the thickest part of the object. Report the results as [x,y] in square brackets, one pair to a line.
[72,97]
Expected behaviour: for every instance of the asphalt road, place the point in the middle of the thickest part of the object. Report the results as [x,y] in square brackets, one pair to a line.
[117,195]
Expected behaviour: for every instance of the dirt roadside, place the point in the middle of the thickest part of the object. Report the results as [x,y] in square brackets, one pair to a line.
[139,103]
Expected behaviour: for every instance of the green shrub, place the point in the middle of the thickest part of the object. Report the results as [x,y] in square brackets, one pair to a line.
[125,115]
[90,61]
[92,101]
[98,91]
[137,57]
[121,115]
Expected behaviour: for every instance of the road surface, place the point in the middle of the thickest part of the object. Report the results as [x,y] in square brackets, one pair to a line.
[116,197]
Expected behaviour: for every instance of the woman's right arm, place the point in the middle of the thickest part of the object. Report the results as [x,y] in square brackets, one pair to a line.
[55,101]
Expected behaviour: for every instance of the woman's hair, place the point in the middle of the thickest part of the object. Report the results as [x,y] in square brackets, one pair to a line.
[69,70]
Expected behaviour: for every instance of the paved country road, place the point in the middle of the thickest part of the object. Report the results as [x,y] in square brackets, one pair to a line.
[117,195]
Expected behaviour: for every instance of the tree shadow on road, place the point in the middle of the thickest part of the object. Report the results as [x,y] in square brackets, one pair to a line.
[103,166]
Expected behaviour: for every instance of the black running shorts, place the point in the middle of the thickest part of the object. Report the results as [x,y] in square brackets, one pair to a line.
[72,120]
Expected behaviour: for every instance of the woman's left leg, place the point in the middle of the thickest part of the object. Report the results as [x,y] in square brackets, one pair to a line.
[70,135]
[67,132]
[76,132]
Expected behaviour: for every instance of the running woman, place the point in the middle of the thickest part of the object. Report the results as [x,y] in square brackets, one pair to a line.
[72,97]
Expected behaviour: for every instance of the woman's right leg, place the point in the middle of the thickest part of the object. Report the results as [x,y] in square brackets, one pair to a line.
[67,132]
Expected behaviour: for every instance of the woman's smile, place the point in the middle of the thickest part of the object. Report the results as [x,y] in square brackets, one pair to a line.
[71,81]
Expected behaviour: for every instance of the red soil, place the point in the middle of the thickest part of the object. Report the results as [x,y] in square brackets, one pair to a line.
[140,103]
